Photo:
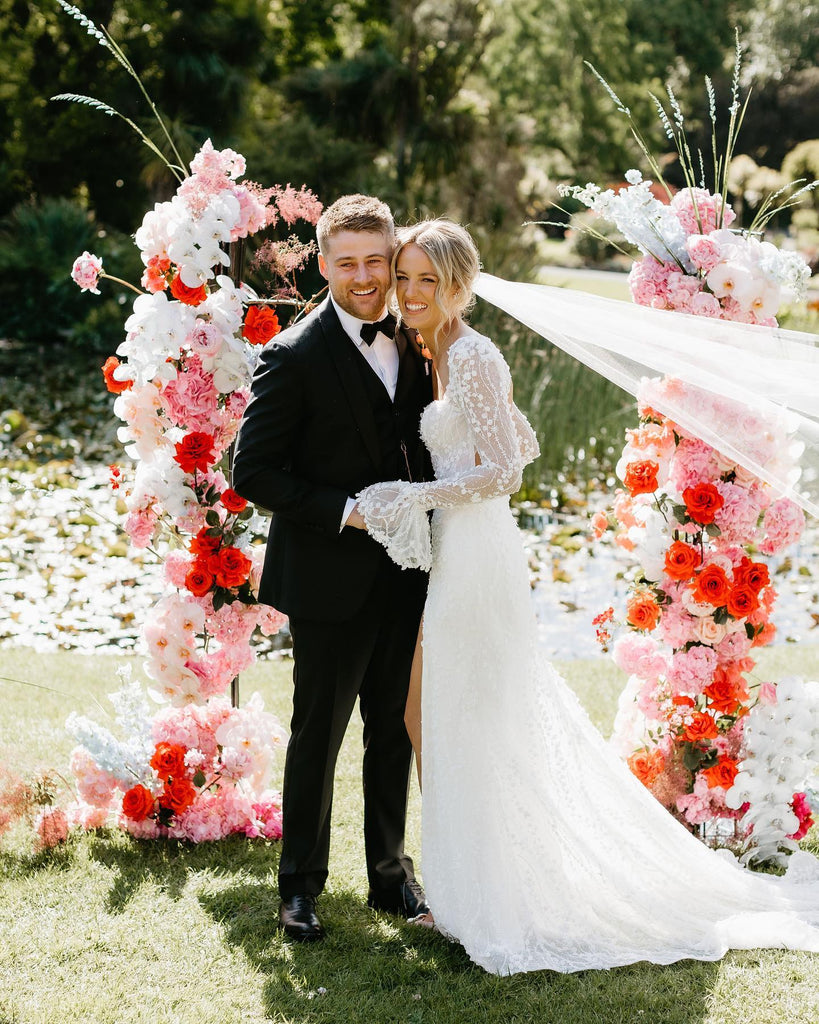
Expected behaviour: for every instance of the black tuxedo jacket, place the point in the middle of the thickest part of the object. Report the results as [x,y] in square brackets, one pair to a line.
[315,433]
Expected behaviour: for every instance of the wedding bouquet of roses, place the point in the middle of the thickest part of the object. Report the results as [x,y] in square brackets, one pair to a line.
[698,523]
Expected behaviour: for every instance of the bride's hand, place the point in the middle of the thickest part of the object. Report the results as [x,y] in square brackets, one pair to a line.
[356,520]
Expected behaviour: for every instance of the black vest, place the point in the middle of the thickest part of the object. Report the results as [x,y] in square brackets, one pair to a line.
[397,422]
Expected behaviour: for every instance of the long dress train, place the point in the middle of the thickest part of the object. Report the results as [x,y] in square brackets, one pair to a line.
[540,848]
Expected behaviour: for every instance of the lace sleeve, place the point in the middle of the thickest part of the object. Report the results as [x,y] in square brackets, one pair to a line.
[481,386]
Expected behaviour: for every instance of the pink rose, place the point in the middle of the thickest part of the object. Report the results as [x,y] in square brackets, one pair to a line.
[767,694]
[86,271]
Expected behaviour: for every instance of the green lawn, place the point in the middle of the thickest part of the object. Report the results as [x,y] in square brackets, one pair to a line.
[113,930]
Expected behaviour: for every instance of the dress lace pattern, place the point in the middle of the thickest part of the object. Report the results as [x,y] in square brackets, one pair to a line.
[540,848]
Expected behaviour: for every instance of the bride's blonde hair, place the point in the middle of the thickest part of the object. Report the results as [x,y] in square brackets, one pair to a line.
[454,256]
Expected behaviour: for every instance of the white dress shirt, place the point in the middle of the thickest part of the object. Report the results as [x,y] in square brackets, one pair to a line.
[382,356]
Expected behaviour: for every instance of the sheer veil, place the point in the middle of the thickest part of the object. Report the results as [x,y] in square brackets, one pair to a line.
[750,392]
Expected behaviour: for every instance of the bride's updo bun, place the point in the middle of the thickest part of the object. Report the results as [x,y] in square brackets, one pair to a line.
[455,257]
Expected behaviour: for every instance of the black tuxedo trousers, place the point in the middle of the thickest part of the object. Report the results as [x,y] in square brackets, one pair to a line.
[320,426]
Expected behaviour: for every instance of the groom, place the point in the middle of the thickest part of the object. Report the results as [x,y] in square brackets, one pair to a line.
[335,406]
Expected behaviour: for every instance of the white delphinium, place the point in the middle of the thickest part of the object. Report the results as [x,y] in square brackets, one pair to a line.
[126,759]
[646,222]
[781,752]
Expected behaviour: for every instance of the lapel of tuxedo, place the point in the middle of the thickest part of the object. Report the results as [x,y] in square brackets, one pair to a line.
[344,356]
[410,362]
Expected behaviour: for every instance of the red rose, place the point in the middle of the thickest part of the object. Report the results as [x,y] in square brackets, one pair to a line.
[701,727]
[204,543]
[712,586]
[752,574]
[702,503]
[230,567]
[198,580]
[642,611]
[681,560]
[261,324]
[641,477]
[190,296]
[137,803]
[232,501]
[178,795]
[169,760]
[195,451]
[722,773]
[742,602]
[116,387]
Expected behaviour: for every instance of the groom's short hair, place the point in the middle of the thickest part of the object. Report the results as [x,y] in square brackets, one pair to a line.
[355,213]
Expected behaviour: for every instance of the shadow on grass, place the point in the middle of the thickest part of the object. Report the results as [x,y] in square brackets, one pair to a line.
[169,864]
[374,967]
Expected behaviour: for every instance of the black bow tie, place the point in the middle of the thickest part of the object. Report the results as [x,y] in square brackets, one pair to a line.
[385,326]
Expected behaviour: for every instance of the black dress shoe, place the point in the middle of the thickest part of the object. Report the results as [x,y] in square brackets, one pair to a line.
[298,918]
[408,900]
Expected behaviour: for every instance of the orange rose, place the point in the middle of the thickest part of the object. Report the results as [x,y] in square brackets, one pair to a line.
[722,773]
[169,760]
[198,580]
[232,501]
[726,692]
[204,543]
[261,324]
[116,387]
[702,502]
[752,574]
[712,586]
[190,296]
[230,567]
[641,477]
[681,560]
[742,602]
[137,803]
[701,727]
[647,766]
[642,611]
[178,795]
[764,636]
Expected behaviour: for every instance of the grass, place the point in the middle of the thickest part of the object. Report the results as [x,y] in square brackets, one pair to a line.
[109,929]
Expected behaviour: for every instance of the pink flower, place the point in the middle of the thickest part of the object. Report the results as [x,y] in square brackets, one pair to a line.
[86,271]
[141,525]
[733,647]
[767,694]
[705,304]
[205,339]
[783,525]
[738,516]
[94,785]
[699,212]
[51,826]
[87,816]
[693,462]
[270,620]
[191,398]
[294,204]
[704,252]
[690,671]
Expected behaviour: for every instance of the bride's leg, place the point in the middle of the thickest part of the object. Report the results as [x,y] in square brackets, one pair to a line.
[412,713]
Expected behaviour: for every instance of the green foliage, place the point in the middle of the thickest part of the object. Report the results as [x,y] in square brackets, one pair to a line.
[39,303]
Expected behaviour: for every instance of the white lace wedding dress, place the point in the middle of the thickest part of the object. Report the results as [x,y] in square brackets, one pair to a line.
[540,848]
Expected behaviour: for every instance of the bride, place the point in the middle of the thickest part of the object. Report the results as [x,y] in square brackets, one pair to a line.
[540,848]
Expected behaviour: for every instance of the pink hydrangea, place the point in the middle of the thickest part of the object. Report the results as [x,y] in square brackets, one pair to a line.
[739,514]
[705,304]
[691,671]
[733,647]
[177,564]
[699,212]
[268,821]
[141,526]
[639,656]
[87,816]
[94,785]
[648,282]
[86,271]
[705,252]
[693,462]
[783,525]
[191,398]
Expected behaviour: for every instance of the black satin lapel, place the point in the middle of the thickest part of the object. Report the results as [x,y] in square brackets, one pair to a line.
[344,356]
[411,363]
